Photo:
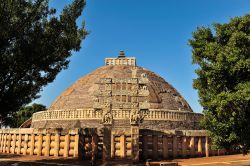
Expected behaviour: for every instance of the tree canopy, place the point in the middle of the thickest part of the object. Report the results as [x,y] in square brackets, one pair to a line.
[35,45]
[222,53]
[24,114]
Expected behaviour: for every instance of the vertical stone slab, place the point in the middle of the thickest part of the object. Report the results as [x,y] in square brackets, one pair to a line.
[123,146]
[4,142]
[184,147]
[40,142]
[165,146]
[14,143]
[200,146]
[32,146]
[76,145]
[94,144]
[112,148]
[175,146]
[26,137]
[145,147]
[207,147]
[155,147]
[192,148]
[57,144]
[135,143]
[47,145]
[106,143]
[66,146]
[8,144]
[1,142]
[19,143]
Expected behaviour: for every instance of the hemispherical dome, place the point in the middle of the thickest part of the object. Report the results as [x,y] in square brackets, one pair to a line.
[81,94]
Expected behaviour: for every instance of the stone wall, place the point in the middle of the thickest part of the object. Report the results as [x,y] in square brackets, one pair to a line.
[170,125]
[107,143]
[40,142]
[67,124]
[175,144]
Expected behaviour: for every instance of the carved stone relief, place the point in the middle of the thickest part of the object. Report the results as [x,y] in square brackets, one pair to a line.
[107,118]
[136,117]
[126,97]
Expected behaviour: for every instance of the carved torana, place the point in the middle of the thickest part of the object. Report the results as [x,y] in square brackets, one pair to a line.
[123,93]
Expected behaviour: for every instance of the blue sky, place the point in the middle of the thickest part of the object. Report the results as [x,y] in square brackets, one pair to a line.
[156,32]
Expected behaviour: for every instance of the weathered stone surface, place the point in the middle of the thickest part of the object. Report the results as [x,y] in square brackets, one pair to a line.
[168,125]
[82,93]
[121,96]
[68,124]
[147,124]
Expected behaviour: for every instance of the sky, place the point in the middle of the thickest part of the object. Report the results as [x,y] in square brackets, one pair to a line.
[156,32]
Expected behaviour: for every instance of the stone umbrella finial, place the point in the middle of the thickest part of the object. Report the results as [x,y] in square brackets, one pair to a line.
[121,54]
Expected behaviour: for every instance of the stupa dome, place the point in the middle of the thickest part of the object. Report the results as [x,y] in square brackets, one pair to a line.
[120,94]
[82,93]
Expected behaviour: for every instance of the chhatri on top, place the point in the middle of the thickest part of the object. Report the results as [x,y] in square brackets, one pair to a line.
[121,60]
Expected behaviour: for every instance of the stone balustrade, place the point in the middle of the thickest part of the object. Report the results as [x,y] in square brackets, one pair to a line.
[156,114]
[40,142]
[152,114]
[130,61]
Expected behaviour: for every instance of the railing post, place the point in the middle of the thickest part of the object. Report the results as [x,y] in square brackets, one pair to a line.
[9,142]
[19,143]
[165,146]
[1,141]
[66,146]
[123,145]
[135,143]
[26,137]
[175,146]
[192,147]
[184,146]
[14,143]
[57,144]
[39,147]
[32,141]
[200,146]
[207,147]
[76,144]
[155,147]
[47,144]
[107,143]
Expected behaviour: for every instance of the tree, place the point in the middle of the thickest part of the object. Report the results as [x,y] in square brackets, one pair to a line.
[35,45]
[222,54]
[24,114]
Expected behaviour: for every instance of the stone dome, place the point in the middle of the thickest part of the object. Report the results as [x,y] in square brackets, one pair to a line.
[81,94]
[120,94]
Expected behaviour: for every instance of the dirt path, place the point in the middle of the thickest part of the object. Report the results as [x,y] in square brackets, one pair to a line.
[216,160]
[20,160]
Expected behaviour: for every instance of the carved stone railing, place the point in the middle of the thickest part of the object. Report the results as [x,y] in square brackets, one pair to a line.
[160,114]
[67,114]
[152,114]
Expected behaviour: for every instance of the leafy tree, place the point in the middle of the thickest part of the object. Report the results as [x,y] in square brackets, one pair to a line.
[223,56]
[24,114]
[35,45]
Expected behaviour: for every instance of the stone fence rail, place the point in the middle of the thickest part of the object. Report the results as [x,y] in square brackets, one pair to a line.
[152,114]
[40,142]
[86,143]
